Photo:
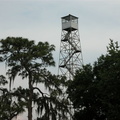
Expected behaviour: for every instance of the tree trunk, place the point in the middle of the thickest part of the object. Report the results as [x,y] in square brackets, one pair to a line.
[30,99]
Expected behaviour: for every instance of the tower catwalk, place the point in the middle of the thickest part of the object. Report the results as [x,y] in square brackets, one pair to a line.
[70,58]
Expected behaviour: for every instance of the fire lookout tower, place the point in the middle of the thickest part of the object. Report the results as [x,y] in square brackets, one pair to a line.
[70,58]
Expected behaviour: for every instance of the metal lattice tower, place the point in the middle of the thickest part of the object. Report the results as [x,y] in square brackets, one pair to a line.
[70,58]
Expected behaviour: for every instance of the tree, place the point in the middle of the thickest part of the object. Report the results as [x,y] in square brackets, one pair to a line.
[9,108]
[29,60]
[95,88]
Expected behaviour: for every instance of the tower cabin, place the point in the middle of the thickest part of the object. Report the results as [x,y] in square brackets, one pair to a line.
[69,23]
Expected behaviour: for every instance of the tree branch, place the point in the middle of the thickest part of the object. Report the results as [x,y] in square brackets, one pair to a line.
[40,91]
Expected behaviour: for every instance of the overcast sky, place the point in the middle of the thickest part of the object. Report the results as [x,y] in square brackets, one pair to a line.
[40,20]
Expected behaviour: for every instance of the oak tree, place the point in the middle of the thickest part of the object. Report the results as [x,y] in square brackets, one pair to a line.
[95,88]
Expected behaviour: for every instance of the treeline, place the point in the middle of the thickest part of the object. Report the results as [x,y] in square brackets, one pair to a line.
[94,91]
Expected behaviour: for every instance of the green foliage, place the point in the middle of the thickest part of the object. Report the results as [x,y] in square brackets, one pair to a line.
[21,54]
[95,89]
[3,80]
[9,107]
[28,60]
